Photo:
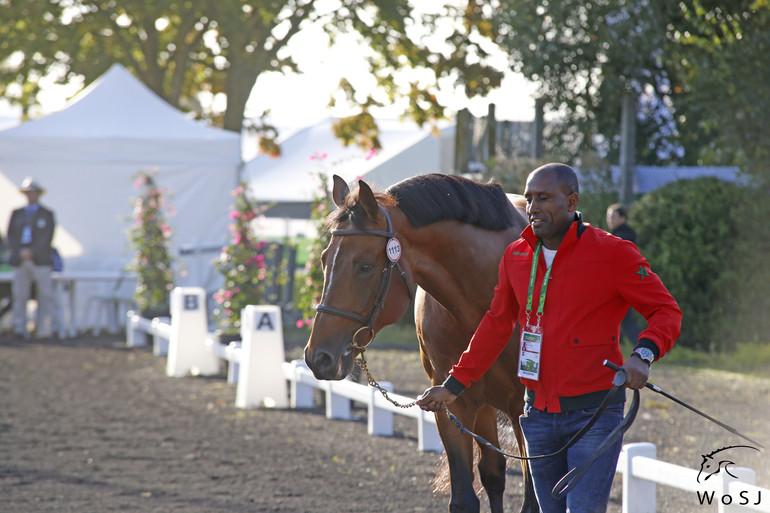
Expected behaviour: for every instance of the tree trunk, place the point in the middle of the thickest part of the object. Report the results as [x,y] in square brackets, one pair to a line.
[238,86]
[627,149]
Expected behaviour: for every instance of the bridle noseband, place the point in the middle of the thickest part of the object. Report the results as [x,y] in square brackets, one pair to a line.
[393,252]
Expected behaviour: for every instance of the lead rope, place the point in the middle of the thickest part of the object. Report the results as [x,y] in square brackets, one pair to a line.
[571,478]
[373,382]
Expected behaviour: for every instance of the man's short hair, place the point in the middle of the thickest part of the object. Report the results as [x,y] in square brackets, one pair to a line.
[564,174]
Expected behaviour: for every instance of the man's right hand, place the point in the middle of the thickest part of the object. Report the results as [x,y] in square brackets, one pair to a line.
[435,398]
[26,254]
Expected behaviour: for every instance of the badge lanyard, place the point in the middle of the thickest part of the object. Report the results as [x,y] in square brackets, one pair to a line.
[531,337]
[543,288]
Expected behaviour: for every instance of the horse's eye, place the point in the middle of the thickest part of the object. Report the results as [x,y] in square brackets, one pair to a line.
[365,268]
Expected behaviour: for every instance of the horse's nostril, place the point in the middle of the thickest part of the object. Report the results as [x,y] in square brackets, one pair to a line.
[323,360]
[320,362]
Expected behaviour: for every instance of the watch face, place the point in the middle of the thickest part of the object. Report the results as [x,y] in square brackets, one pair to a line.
[645,353]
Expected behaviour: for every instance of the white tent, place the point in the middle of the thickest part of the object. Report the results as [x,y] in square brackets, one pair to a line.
[87,154]
[289,182]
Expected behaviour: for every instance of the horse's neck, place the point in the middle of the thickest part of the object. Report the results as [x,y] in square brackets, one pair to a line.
[457,264]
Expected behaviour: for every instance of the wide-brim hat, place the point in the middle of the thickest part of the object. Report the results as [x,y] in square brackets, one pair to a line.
[29,184]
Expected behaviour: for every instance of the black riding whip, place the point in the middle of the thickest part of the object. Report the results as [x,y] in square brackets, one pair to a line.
[657,390]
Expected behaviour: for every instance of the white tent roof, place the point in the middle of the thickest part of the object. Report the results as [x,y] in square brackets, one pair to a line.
[407,150]
[117,105]
[87,154]
[113,110]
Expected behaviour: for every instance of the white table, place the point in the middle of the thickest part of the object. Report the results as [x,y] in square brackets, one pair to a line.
[65,285]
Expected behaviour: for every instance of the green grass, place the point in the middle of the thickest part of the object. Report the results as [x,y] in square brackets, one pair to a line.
[747,358]
[396,336]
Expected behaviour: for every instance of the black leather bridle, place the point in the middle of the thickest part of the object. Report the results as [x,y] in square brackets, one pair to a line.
[393,252]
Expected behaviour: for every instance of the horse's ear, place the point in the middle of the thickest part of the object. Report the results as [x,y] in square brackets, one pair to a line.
[340,191]
[367,200]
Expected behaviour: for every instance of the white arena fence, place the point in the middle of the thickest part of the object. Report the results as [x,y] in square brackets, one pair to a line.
[257,366]
[642,472]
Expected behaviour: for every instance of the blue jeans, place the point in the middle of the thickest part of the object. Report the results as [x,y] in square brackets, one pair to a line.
[546,433]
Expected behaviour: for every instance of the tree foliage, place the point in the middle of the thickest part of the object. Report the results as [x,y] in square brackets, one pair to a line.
[181,48]
[725,51]
[585,55]
[699,68]
[705,238]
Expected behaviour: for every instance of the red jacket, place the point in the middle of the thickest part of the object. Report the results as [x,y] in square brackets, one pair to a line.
[595,277]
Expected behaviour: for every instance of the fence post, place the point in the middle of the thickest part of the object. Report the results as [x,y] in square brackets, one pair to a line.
[638,494]
[337,406]
[733,500]
[428,438]
[260,377]
[301,393]
[134,336]
[379,421]
[159,342]
[233,366]
[187,350]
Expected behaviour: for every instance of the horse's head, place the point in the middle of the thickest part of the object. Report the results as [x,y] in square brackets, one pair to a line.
[361,261]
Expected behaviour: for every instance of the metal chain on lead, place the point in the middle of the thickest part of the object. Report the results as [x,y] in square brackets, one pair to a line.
[373,382]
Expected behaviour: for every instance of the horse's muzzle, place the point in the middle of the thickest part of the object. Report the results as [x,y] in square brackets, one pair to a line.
[328,366]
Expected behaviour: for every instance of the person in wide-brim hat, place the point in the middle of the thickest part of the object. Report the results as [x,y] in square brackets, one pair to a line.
[30,233]
[30,185]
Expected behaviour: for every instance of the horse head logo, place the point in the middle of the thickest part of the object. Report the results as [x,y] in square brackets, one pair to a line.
[711,465]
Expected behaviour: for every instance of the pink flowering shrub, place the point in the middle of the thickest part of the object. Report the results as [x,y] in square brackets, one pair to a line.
[310,284]
[150,236]
[243,264]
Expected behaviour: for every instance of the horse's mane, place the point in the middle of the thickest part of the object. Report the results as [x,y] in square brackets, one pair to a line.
[428,199]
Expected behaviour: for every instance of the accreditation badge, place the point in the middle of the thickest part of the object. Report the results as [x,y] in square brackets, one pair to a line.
[529,355]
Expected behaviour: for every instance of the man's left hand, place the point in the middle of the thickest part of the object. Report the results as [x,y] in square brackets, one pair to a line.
[637,373]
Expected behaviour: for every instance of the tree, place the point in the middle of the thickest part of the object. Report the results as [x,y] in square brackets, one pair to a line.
[725,89]
[585,55]
[182,48]
[700,70]
[705,251]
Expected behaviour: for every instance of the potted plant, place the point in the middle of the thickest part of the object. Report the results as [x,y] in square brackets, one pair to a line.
[150,236]
[244,265]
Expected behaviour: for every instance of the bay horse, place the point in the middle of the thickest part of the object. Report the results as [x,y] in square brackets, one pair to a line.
[451,235]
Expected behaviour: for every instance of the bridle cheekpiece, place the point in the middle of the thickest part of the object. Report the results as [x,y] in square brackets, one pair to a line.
[393,252]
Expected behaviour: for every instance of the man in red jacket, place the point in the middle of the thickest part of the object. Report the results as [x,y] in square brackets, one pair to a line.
[568,285]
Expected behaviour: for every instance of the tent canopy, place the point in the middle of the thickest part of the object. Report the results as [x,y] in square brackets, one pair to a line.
[86,156]
[290,182]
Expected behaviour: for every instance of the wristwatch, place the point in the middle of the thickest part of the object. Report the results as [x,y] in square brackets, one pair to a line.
[645,354]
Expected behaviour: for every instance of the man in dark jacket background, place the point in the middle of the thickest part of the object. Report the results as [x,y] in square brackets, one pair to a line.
[617,222]
[30,232]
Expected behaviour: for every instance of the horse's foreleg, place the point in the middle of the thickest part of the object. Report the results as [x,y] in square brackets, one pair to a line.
[459,453]
[491,463]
